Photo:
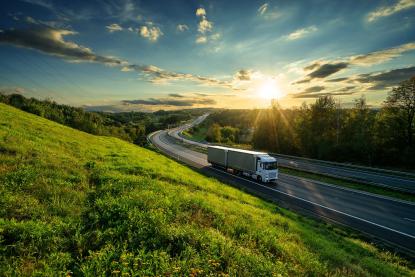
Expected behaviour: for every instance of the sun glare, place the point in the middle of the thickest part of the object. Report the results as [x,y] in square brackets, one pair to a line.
[269,90]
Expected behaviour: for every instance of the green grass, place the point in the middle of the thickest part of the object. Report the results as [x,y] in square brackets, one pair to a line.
[87,205]
[349,184]
[198,134]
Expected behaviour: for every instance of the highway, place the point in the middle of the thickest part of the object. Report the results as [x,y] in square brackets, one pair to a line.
[373,176]
[387,219]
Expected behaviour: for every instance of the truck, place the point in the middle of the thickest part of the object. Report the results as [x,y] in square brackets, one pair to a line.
[257,165]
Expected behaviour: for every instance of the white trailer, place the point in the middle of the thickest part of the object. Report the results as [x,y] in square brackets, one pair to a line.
[257,165]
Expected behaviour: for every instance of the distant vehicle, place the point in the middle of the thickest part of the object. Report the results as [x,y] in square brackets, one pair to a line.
[257,165]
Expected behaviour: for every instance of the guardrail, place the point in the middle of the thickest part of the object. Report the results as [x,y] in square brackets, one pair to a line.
[352,166]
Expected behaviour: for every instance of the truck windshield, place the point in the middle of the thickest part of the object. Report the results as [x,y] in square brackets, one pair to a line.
[270,166]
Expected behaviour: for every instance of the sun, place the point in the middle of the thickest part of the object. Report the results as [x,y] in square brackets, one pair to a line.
[269,89]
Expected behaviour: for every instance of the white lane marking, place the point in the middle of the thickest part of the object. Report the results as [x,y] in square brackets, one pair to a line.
[410,219]
[322,206]
[319,205]
[349,189]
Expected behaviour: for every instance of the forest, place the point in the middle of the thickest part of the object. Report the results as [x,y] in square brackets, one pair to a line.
[325,130]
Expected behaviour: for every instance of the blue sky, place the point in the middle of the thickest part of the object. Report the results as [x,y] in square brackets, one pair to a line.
[147,55]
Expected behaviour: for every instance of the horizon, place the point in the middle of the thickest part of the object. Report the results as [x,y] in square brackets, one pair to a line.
[145,56]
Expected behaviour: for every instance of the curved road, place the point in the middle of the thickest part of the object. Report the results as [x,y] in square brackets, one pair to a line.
[391,220]
[376,177]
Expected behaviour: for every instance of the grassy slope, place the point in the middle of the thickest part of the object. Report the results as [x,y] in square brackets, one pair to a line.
[75,202]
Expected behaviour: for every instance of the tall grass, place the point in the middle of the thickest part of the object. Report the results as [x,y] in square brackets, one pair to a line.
[78,204]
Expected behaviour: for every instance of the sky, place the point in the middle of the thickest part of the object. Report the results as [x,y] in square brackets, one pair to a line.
[123,55]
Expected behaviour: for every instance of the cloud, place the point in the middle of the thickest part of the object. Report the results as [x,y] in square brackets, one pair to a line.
[323,69]
[267,13]
[200,12]
[314,89]
[243,75]
[170,102]
[390,10]
[382,55]
[215,36]
[348,88]
[301,33]
[41,3]
[327,69]
[108,108]
[152,33]
[386,79]
[52,24]
[303,81]
[204,27]
[182,27]
[379,80]
[315,92]
[338,80]
[161,76]
[127,69]
[312,66]
[317,95]
[51,41]
[177,95]
[114,28]
[263,9]
[201,39]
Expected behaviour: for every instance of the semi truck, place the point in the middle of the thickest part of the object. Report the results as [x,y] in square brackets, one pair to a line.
[257,165]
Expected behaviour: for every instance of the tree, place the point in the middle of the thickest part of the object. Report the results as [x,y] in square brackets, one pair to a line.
[229,134]
[323,127]
[356,143]
[401,100]
[213,133]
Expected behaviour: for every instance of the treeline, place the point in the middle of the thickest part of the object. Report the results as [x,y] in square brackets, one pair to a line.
[129,126]
[325,130]
[228,126]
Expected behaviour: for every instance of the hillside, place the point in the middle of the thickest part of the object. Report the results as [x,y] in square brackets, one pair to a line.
[77,204]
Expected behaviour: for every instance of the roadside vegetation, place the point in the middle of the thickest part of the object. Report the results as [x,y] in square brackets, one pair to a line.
[325,130]
[77,204]
[130,126]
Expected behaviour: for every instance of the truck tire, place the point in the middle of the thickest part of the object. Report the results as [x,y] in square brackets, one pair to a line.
[259,179]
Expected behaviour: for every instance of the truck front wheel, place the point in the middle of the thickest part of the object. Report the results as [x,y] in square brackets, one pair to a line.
[259,179]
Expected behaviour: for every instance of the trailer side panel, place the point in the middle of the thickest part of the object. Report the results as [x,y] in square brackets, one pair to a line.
[242,161]
[217,156]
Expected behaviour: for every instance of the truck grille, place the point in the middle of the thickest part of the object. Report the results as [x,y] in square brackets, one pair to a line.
[272,175]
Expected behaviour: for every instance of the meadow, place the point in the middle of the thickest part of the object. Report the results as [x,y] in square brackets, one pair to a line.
[73,203]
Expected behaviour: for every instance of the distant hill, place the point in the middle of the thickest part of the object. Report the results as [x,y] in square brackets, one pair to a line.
[77,204]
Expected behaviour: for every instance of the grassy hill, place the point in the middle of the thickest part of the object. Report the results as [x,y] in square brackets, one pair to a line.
[77,204]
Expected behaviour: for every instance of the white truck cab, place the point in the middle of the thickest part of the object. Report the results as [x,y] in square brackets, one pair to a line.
[267,168]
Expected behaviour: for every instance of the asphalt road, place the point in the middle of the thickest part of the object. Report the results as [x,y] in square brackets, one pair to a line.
[384,218]
[375,177]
